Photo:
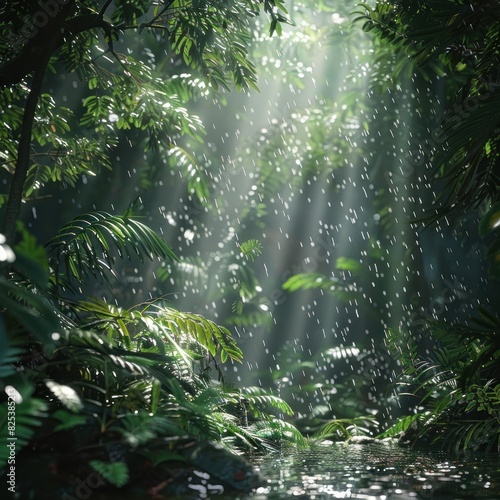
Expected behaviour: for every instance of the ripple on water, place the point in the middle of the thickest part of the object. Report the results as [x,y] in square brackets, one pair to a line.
[377,471]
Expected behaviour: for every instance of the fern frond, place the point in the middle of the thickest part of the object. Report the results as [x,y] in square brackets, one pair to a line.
[66,395]
[115,473]
[33,311]
[214,338]
[257,398]
[344,428]
[245,318]
[67,420]
[8,356]
[139,428]
[94,354]
[278,430]
[246,438]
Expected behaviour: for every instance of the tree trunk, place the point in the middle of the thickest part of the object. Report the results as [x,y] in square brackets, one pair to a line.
[23,157]
[44,53]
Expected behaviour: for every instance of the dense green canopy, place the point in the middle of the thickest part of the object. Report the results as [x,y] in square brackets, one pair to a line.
[115,386]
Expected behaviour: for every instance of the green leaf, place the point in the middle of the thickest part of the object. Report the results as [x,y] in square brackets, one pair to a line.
[115,473]
[256,397]
[32,311]
[400,426]
[28,415]
[66,395]
[8,356]
[490,221]
[211,336]
[155,396]
[87,244]
[279,430]
[251,249]
[493,249]
[158,457]
[31,258]
[347,264]
[306,281]
[68,420]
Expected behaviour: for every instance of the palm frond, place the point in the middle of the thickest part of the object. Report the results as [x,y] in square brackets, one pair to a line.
[247,438]
[87,245]
[457,384]
[251,249]
[182,338]
[401,425]
[97,357]
[466,158]
[457,41]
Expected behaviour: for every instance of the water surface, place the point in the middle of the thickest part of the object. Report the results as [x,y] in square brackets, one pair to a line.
[377,471]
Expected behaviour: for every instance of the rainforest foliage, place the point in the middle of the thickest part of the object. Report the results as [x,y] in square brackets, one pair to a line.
[449,175]
[451,368]
[100,387]
[103,384]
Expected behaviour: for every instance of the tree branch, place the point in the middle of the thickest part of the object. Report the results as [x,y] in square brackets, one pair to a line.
[28,60]
[39,60]
[104,8]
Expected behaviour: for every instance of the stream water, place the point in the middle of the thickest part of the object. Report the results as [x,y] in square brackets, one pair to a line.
[377,471]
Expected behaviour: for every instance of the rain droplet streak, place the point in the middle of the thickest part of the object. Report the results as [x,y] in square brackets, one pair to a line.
[301,168]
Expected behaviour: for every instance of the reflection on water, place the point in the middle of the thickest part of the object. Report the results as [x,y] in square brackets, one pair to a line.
[376,471]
